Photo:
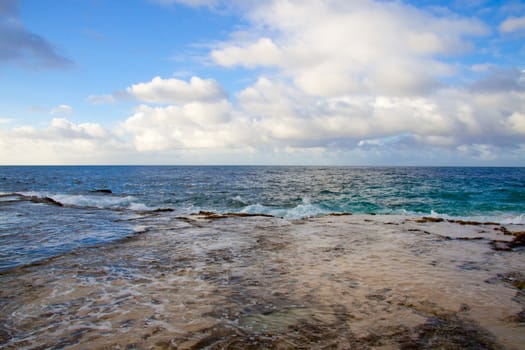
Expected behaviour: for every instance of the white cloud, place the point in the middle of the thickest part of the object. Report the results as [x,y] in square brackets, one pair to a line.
[356,82]
[275,122]
[263,52]
[195,125]
[61,142]
[512,24]
[172,90]
[516,122]
[63,128]
[287,114]
[61,110]
[335,47]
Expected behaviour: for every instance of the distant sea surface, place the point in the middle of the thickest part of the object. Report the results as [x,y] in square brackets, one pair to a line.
[46,211]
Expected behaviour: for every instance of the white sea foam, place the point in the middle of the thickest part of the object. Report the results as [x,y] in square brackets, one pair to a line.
[257,209]
[94,201]
[97,201]
[304,210]
[505,219]
[239,199]
[139,207]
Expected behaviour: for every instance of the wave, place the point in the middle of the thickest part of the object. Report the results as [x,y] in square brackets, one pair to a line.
[307,209]
[502,218]
[98,201]
[303,210]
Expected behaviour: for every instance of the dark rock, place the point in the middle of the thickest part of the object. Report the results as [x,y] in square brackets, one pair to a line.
[503,230]
[472,223]
[163,210]
[429,219]
[470,238]
[519,239]
[519,317]
[212,215]
[514,278]
[501,246]
[463,222]
[244,215]
[103,190]
[517,242]
[464,307]
[45,200]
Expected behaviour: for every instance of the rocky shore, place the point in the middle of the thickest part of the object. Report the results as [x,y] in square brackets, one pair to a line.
[239,282]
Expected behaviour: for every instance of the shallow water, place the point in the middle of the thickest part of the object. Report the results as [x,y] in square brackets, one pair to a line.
[192,282]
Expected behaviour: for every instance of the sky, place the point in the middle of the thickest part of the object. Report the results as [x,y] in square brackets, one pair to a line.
[277,82]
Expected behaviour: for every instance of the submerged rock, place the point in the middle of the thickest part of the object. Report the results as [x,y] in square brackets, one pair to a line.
[450,332]
[517,242]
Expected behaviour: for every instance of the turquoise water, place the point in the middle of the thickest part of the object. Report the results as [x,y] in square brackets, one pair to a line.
[30,231]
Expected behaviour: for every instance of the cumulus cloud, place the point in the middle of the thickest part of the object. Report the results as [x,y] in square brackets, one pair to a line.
[263,52]
[513,24]
[173,90]
[61,142]
[60,128]
[290,115]
[516,123]
[331,48]
[361,82]
[195,125]
[272,114]
[23,47]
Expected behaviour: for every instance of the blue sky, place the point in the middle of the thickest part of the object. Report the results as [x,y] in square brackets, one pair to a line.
[262,82]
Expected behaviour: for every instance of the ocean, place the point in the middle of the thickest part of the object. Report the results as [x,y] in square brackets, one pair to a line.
[91,203]
[175,257]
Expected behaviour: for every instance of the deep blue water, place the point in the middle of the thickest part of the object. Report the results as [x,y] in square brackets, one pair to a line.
[30,231]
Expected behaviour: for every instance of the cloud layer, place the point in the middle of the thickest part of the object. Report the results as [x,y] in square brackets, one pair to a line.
[61,142]
[333,48]
[360,82]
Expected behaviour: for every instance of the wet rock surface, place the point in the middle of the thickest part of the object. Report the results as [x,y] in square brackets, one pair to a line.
[448,332]
[356,282]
